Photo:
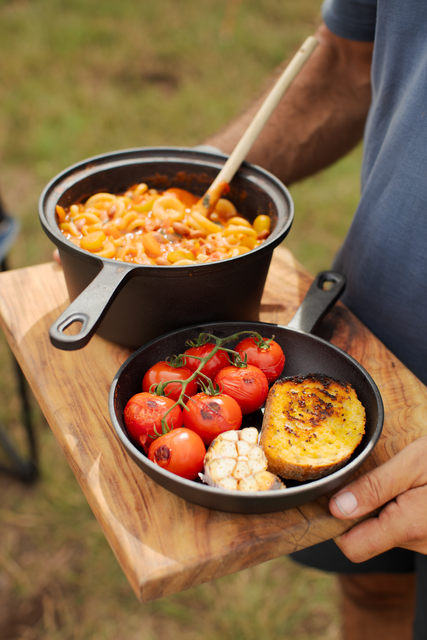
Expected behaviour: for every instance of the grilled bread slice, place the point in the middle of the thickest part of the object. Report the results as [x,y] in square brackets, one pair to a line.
[312,424]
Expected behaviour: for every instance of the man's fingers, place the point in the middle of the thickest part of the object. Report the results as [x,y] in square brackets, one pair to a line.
[360,543]
[374,489]
[401,485]
[401,523]
[56,257]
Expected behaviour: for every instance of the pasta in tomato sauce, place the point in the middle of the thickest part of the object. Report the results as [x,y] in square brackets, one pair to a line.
[147,226]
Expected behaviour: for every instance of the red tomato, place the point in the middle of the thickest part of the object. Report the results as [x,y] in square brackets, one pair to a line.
[247,385]
[143,415]
[163,371]
[209,416]
[270,360]
[181,452]
[215,364]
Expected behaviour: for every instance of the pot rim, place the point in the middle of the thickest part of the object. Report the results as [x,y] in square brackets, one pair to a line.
[70,176]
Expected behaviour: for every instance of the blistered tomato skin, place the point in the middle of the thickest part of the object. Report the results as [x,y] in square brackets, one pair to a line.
[209,415]
[143,417]
[271,360]
[247,385]
[162,372]
[211,368]
[181,452]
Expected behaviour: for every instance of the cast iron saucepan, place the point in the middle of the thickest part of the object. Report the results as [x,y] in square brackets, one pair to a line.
[131,304]
[305,353]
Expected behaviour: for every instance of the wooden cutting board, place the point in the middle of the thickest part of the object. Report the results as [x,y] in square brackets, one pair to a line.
[163,543]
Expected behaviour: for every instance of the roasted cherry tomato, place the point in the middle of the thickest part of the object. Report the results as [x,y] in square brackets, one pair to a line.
[162,372]
[209,416]
[267,355]
[247,385]
[143,417]
[215,364]
[180,451]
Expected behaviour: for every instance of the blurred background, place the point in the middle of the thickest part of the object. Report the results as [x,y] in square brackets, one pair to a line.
[79,78]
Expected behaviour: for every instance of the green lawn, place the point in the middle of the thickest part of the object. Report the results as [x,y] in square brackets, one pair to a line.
[79,78]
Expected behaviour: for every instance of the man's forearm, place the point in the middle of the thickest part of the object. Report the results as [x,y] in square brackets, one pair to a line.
[320,118]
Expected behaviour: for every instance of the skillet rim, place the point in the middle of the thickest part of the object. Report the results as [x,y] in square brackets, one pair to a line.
[336,478]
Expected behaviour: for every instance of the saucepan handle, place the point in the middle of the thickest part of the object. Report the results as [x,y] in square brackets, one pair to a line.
[89,308]
[322,295]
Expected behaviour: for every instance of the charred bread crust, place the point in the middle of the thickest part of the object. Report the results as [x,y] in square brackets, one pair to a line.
[312,424]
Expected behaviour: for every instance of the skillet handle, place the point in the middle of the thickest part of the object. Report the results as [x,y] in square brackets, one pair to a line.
[89,308]
[318,300]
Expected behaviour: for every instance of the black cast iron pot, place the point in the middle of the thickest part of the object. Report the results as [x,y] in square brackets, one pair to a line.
[305,353]
[131,304]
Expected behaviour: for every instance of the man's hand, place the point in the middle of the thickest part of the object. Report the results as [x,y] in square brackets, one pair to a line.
[400,487]
[55,256]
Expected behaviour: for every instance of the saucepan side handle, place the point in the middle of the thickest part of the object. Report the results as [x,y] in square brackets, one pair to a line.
[89,308]
[318,301]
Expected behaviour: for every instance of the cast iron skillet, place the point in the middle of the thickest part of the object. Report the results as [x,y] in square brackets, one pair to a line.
[305,353]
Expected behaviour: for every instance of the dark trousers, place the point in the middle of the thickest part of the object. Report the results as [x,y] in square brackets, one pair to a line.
[326,556]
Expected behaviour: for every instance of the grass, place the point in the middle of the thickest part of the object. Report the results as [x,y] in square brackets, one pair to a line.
[74,585]
[79,78]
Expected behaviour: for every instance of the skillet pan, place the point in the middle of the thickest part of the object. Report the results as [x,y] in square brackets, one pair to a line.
[305,353]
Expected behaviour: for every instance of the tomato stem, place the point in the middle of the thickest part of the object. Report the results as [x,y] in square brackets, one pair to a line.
[262,343]
[209,388]
[176,361]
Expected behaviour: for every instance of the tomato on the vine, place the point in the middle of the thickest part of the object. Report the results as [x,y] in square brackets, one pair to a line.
[247,385]
[164,371]
[266,354]
[180,451]
[210,415]
[218,361]
[143,417]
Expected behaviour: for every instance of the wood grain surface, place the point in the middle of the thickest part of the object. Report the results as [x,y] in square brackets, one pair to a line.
[163,543]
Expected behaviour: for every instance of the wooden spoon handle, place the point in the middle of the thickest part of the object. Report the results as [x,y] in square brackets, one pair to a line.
[270,103]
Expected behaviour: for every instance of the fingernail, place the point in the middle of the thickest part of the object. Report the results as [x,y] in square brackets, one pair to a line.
[346,503]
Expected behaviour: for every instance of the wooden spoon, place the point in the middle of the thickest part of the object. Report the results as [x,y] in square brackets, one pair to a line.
[207,203]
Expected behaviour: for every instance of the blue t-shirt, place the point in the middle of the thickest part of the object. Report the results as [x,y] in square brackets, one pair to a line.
[384,255]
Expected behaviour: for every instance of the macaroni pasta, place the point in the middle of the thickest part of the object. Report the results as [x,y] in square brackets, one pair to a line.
[145,226]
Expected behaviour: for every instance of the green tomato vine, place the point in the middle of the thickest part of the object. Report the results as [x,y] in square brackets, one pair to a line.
[207,384]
